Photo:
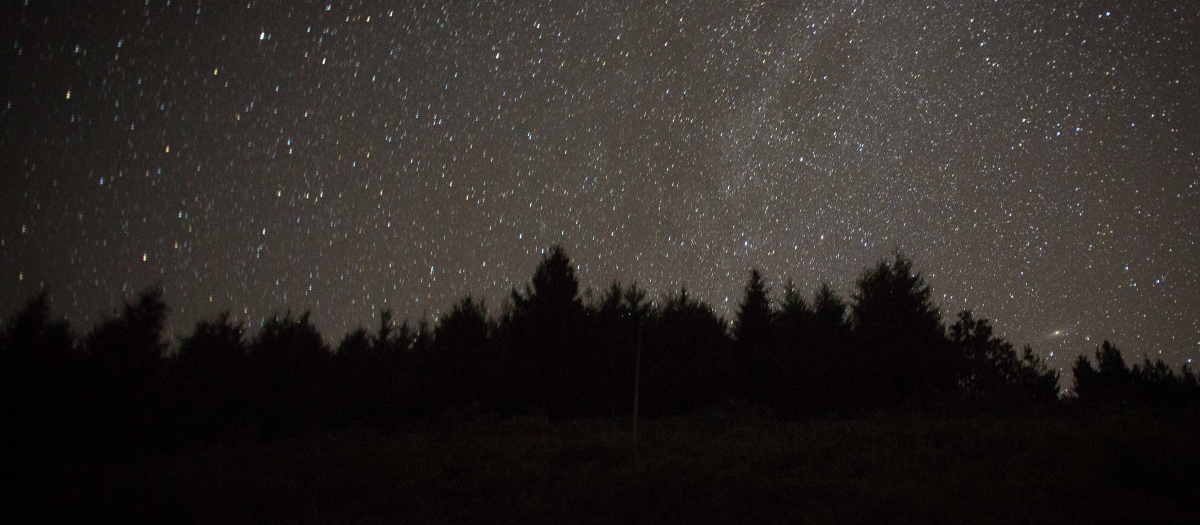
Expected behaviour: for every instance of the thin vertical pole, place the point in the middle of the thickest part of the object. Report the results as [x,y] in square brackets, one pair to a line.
[637,379]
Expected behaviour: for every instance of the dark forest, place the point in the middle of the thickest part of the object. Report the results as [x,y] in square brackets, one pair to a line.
[551,352]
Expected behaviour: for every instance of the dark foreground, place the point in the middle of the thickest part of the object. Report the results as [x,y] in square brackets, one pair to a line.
[1095,468]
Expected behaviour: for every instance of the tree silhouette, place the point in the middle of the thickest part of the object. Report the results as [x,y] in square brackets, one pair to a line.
[686,362]
[753,325]
[553,293]
[32,334]
[127,354]
[356,345]
[831,363]
[1155,384]
[1111,383]
[901,347]
[357,364]
[1037,382]
[547,351]
[458,362]
[377,372]
[41,380]
[615,320]
[209,377]
[807,368]
[1189,387]
[1151,383]
[829,311]
[384,342]
[991,373]
[289,373]
[132,344]
[544,339]
[794,311]
[792,365]
[752,335]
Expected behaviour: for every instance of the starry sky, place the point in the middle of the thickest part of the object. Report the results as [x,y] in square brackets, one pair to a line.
[1038,162]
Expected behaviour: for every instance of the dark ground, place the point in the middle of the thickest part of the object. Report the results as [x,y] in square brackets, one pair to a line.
[1112,467]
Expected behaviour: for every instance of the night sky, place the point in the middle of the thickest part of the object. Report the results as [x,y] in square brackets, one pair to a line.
[1037,162]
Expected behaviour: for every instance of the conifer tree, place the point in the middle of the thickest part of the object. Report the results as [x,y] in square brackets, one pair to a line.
[460,358]
[209,376]
[899,334]
[290,375]
[752,335]
[754,315]
[991,373]
[686,362]
[792,368]
[1108,382]
[544,338]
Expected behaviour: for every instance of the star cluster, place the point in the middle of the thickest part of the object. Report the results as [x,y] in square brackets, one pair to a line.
[1038,162]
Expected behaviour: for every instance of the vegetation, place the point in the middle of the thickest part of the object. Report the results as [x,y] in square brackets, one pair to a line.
[885,357]
[714,467]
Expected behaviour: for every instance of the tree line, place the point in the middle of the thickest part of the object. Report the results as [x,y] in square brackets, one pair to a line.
[550,349]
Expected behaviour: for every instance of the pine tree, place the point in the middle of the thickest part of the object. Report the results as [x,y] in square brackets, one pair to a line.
[1109,382]
[686,363]
[991,373]
[753,324]
[900,337]
[752,336]
[793,323]
[460,358]
[543,333]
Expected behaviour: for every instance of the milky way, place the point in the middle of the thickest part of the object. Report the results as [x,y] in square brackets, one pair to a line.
[1037,162]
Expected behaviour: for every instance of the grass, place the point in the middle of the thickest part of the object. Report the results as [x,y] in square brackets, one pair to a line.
[1125,467]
